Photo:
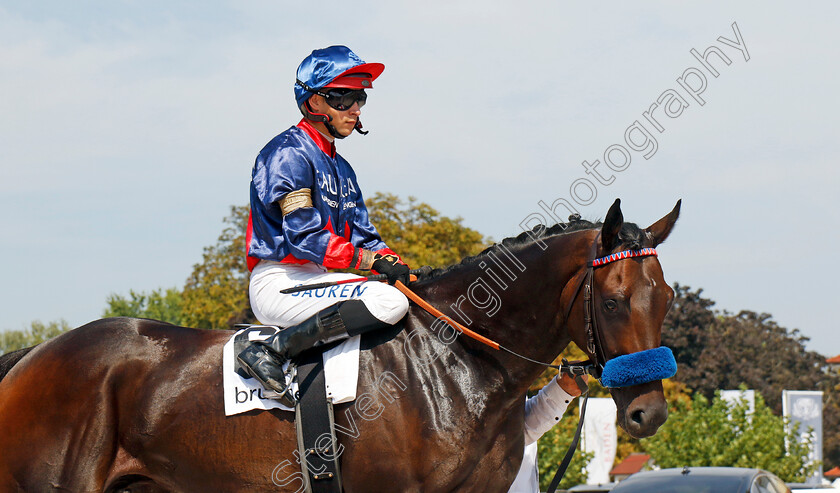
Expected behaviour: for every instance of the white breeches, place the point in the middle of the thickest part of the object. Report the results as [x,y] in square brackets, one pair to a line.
[384,302]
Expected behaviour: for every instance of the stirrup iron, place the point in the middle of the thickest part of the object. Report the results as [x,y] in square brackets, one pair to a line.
[286,397]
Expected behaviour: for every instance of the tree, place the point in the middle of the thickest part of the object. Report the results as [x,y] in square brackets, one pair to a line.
[747,348]
[552,447]
[719,350]
[699,433]
[420,234]
[157,305]
[216,292]
[38,332]
[831,422]
[686,331]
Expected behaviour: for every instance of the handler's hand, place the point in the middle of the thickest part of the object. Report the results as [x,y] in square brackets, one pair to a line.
[568,384]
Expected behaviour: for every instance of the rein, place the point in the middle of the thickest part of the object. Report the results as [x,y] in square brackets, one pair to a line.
[567,368]
[594,340]
[437,313]
[621,371]
[585,281]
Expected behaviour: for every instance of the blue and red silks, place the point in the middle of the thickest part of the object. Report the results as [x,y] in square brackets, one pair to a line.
[326,233]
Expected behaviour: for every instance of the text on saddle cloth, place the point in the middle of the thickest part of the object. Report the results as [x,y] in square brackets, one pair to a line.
[241,393]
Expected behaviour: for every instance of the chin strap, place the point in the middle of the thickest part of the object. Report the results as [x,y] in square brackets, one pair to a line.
[358,127]
[320,117]
[325,119]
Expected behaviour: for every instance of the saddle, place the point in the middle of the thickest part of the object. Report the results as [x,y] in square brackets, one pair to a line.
[318,449]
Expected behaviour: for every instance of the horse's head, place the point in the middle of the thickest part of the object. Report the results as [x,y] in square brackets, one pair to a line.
[628,302]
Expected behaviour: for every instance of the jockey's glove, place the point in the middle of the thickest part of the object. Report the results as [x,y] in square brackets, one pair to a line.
[391,266]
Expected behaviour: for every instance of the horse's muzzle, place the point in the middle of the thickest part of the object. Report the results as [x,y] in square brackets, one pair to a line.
[643,415]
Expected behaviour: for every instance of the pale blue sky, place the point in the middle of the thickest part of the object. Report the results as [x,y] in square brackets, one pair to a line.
[128,128]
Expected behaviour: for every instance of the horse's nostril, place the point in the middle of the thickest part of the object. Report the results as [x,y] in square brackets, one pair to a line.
[638,416]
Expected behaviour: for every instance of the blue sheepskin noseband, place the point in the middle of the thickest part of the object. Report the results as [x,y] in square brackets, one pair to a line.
[637,368]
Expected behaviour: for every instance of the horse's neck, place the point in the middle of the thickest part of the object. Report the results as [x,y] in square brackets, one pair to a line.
[514,298]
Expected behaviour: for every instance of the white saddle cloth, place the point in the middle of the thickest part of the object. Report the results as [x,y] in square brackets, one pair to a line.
[341,372]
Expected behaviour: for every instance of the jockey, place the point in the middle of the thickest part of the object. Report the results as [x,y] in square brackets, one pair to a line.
[542,412]
[308,215]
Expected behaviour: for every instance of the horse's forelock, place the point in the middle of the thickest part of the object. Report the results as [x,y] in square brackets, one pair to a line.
[632,237]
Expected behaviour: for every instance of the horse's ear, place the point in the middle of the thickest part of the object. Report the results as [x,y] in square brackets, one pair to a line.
[611,227]
[660,230]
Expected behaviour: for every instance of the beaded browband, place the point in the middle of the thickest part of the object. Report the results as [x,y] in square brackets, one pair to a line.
[644,252]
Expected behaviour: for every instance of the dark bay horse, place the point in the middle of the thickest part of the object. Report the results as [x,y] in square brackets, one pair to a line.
[135,405]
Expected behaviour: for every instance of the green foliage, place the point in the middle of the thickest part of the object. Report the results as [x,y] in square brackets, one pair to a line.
[700,433]
[38,332]
[157,305]
[419,234]
[216,292]
[552,447]
[720,350]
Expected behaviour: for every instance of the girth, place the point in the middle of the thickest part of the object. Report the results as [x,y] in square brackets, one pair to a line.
[315,426]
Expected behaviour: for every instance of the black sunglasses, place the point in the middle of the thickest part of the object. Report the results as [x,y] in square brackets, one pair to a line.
[343,99]
[339,98]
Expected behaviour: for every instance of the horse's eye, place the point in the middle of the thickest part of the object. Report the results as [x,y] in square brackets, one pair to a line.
[611,305]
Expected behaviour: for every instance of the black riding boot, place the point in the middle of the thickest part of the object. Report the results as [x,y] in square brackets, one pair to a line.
[264,360]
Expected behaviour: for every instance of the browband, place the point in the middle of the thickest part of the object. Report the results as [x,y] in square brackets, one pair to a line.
[644,252]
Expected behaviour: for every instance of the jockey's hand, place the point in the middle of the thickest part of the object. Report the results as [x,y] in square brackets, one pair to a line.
[391,266]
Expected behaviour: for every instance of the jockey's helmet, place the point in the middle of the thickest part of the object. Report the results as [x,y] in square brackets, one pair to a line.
[336,67]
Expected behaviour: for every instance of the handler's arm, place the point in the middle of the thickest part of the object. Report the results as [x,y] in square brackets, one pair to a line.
[545,409]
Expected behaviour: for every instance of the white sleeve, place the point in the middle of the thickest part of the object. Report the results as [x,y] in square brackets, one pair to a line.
[544,410]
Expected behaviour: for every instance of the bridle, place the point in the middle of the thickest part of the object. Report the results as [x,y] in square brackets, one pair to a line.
[594,339]
[593,333]
[598,361]
[594,342]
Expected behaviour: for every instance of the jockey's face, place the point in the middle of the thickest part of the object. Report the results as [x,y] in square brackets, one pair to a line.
[343,121]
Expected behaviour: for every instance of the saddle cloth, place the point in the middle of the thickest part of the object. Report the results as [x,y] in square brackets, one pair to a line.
[341,371]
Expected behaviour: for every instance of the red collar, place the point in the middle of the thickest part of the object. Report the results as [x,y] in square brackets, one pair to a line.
[323,143]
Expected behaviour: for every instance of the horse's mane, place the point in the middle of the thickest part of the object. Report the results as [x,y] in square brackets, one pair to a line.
[630,237]
[8,360]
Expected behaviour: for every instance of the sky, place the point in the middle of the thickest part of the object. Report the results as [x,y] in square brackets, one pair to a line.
[129,128]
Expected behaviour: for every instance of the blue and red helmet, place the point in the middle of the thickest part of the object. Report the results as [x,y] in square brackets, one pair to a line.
[336,66]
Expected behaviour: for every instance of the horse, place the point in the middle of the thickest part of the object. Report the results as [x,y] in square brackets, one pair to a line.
[135,405]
